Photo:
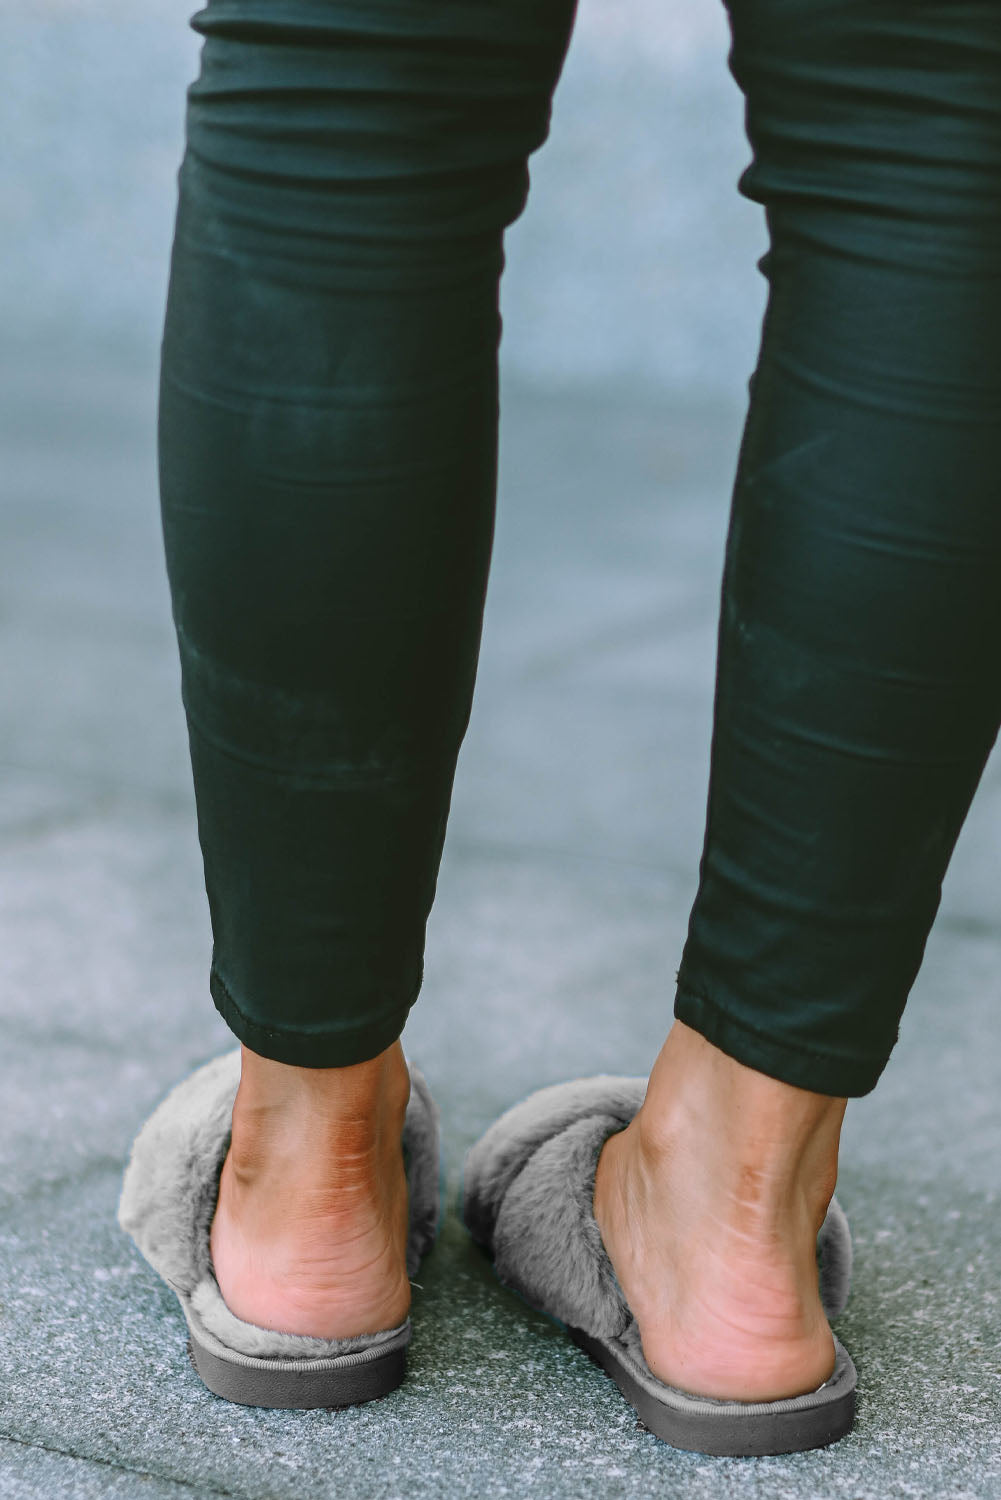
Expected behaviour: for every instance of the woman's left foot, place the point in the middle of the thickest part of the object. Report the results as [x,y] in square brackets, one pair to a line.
[310,1229]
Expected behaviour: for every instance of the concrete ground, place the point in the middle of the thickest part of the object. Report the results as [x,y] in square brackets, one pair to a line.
[568,873]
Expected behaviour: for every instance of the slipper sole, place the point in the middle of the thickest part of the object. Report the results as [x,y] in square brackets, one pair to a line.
[347,1380]
[500,1161]
[168,1198]
[734,1429]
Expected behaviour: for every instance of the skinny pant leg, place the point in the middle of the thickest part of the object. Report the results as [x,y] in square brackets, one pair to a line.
[327,447]
[858,688]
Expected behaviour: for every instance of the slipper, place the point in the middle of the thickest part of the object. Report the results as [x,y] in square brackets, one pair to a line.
[527,1198]
[167,1204]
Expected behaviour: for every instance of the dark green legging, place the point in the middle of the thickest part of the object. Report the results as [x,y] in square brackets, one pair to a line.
[328,431]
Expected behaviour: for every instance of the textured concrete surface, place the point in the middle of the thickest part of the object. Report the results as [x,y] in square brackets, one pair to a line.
[563,900]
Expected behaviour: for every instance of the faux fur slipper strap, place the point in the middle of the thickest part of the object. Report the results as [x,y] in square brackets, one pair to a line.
[528,1187]
[171,1185]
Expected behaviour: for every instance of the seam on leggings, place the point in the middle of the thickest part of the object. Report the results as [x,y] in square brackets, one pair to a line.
[378,396]
[831,388]
[288,1033]
[356,274]
[835,1058]
[337,778]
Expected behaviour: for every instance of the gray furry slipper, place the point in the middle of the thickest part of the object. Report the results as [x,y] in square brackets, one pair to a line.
[527,1198]
[167,1204]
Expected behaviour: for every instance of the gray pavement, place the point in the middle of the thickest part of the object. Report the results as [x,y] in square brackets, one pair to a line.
[568,872]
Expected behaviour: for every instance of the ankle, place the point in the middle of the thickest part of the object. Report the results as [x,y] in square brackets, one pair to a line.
[767,1145]
[318,1121]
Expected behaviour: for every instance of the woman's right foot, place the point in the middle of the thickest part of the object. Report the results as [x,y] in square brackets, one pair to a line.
[709,1204]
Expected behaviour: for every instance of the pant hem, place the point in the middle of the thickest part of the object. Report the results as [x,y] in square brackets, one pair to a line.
[819,1072]
[330,1048]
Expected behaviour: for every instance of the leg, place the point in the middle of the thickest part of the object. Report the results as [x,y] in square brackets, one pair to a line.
[328,424]
[858,688]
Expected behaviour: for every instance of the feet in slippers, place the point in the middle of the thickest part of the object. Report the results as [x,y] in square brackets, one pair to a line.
[527,1193]
[168,1199]
[527,1199]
